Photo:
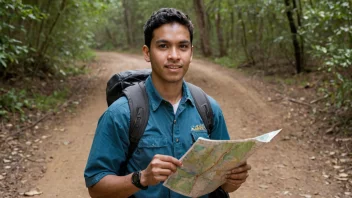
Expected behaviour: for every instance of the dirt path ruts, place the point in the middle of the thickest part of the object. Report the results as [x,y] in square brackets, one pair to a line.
[281,169]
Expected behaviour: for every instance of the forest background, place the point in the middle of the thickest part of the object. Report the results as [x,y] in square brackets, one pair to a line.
[43,44]
[47,47]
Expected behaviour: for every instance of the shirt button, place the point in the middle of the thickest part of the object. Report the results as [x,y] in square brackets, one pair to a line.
[174,121]
[177,140]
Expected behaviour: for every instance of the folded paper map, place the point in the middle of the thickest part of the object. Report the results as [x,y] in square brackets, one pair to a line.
[205,164]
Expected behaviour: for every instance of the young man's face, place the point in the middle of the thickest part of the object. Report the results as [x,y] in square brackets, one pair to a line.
[170,53]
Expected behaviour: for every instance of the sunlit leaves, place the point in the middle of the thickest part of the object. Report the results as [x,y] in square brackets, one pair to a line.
[57,32]
[12,49]
[329,30]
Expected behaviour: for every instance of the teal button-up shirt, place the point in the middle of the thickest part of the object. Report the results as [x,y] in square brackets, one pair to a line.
[166,133]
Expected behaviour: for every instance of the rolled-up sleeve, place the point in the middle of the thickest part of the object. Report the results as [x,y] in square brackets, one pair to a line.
[110,144]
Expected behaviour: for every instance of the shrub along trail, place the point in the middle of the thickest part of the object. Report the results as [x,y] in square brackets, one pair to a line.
[284,168]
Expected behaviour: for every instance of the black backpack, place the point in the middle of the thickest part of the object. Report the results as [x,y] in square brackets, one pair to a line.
[131,84]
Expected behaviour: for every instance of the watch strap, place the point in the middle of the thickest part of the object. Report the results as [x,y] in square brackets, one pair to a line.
[136,180]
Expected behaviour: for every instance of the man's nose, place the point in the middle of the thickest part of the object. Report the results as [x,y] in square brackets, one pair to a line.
[174,54]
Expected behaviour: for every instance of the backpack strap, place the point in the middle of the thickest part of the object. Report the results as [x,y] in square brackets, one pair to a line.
[203,106]
[139,114]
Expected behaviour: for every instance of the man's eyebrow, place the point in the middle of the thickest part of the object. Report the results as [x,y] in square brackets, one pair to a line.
[165,41]
[162,41]
[185,42]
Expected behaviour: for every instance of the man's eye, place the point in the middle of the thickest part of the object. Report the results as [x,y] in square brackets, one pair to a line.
[162,46]
[183,46]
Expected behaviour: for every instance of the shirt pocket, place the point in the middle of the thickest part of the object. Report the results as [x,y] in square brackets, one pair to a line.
[198,134]
[147,148]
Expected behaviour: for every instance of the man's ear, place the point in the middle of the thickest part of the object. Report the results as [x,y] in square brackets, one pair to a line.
[146,53]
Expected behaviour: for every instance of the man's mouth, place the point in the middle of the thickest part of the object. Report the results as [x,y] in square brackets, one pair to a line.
[173,66]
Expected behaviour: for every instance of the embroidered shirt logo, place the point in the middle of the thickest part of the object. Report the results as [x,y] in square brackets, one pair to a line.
[199,127]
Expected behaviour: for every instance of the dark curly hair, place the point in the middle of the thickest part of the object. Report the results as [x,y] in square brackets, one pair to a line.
[165,16]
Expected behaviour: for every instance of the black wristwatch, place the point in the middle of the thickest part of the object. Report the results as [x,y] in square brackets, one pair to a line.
[136,180]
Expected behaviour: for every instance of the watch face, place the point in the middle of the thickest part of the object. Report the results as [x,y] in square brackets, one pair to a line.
[135,178]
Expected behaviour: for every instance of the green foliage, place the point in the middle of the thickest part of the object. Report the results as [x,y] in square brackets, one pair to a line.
[18,101]
[72,35]
[45,103]
[73,70]
[112,32]
[14,14]
[13,101]
[332,21]
[46,37]
[227,62]
[260,24]
[40,37]
[86,55]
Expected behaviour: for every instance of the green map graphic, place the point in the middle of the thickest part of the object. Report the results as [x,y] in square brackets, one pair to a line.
[205,164]
[203,159]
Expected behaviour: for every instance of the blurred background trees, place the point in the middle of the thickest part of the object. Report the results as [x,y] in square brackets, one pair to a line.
[285,37]
[41,37]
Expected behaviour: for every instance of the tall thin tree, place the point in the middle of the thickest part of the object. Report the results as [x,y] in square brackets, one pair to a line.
[202,27]
[295,42]
[244,40]
[128,23]
[219,31]
[299,13]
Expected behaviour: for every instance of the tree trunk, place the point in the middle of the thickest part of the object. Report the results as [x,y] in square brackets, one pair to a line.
[127,19]
[202,27]
[111,37]
[232,30]
[311,3]
[219,32]
[45,44]
[299,14]
[42,23]
[244,38]
[294,36]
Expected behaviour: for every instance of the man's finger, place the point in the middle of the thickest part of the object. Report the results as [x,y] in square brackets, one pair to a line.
[242,164]
[170,159]
[160,178]
[236,183]
[160,171]
[158,163]
[240,169]
[238,176]
[169,166]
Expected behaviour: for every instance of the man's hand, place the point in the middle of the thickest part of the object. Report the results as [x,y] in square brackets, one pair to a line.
[159,169]
[236,177]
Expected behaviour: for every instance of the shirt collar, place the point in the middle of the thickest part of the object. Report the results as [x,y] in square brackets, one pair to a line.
[155,99]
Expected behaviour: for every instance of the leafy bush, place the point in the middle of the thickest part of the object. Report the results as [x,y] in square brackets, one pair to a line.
[40,37]
[14,49]
[18,101]
[13,101]
[46,103]
[332,20]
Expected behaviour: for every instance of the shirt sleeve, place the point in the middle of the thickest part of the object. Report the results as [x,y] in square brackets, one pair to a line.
[110,144]
[219,131]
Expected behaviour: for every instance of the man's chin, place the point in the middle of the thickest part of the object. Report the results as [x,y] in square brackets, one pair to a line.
[174,80]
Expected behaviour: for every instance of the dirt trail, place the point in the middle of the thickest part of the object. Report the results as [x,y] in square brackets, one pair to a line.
[281,169]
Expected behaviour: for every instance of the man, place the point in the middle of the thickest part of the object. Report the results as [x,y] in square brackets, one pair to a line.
[168,135]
